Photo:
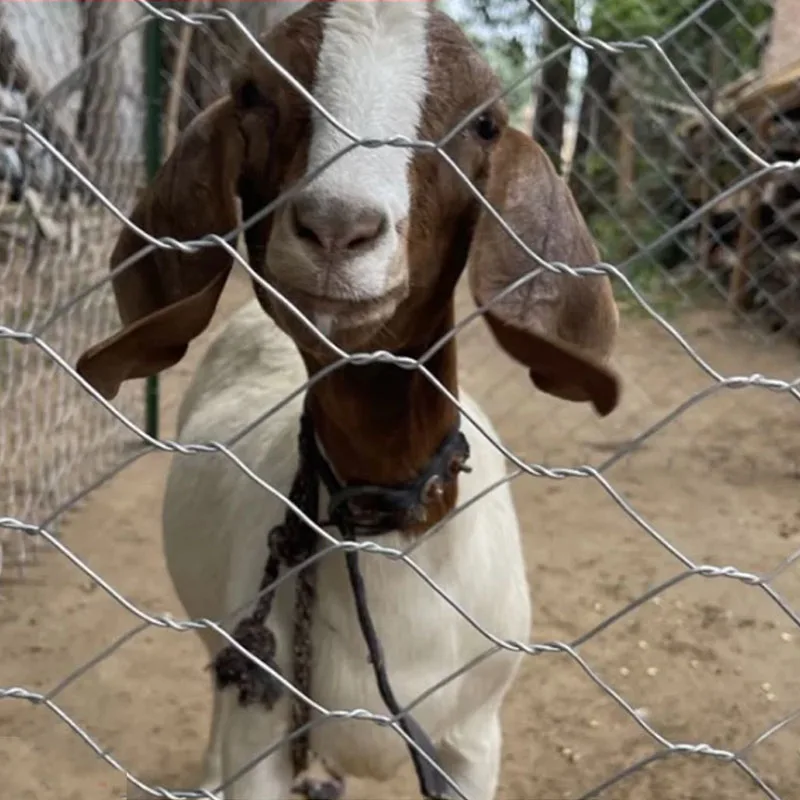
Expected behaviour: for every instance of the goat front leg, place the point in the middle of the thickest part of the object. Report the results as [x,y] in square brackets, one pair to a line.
[212,763]
[247,732]
[471,757]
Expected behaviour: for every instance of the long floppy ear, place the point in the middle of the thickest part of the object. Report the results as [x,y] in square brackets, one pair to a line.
[167,298]
[561,327]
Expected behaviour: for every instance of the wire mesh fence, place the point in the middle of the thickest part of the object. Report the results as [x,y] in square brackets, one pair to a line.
[57,441]
[642,159]
[56,238]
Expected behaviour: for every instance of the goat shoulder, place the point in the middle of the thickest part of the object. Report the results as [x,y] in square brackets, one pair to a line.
[248,368]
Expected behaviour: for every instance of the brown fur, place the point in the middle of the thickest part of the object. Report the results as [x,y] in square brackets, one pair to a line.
[378,423]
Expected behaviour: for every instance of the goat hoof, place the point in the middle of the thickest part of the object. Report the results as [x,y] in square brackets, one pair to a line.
[319,789]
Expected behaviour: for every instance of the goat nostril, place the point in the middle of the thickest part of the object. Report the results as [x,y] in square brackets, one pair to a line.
[358,242]
[306,233]
[366,232]
[302,231]
[336,228]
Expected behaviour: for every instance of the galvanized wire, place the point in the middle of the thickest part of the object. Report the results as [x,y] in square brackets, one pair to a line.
[36,335]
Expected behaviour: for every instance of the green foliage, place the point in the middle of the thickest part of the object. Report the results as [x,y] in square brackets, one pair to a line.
[509,60]
[721,41]
[729,25]
[630,19]
[503,31]
[733,20]
[724,33]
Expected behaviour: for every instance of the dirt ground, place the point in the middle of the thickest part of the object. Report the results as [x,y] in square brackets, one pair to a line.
[710,661]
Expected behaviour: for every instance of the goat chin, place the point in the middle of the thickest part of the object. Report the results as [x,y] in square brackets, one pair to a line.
[216,521]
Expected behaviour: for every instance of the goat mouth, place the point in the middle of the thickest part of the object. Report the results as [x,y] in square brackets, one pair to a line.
[333,315]
[337,305]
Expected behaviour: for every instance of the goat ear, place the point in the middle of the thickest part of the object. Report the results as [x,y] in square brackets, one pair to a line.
[561,327]
[167,298]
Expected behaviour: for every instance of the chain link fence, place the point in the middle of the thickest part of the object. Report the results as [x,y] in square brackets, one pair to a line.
[73,170]
[55,240]
[76,73]
[643,159]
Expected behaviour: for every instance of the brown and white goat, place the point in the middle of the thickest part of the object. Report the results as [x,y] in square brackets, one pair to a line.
[371,251]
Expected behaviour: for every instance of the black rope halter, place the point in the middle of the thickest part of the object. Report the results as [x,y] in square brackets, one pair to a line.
[356,510]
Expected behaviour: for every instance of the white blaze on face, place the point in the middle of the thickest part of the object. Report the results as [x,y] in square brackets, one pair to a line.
[371,77]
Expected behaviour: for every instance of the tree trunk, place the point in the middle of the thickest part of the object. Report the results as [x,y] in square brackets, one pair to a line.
[98,121]
[596,127]
[552,99]
[215,50]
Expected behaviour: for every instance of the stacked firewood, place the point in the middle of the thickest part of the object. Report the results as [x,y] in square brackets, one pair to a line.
[748,241]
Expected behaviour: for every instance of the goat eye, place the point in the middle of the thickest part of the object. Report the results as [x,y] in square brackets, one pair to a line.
[249,96]
[486,127]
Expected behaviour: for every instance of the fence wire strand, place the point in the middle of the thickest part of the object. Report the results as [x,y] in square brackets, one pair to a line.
[38,334]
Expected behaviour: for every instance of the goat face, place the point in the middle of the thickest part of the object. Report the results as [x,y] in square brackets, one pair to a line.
[370,244]
[337,249]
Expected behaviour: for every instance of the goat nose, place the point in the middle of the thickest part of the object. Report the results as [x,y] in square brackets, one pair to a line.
[336,227]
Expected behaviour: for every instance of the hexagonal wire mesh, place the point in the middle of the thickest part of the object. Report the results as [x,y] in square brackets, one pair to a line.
[73,161]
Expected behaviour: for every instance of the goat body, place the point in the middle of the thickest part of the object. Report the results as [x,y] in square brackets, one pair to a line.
[369,249]
[215,527]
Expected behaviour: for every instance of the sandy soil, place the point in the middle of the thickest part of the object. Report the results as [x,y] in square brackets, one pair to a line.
[710,661]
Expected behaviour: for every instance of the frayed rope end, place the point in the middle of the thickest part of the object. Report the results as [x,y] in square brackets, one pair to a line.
[234,668]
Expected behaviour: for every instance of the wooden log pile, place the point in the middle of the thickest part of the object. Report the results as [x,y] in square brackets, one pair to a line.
[748,242]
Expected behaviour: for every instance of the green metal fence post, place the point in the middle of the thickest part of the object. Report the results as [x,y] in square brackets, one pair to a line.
[153,89]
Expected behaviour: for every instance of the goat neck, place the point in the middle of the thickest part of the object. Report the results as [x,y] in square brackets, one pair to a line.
[381,423]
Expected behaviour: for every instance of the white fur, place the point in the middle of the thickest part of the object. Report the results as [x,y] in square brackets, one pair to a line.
[371,77]
[216,521]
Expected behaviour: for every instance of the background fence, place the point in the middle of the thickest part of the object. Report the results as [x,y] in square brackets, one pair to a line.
[642,159]
[692,212]
[86,76]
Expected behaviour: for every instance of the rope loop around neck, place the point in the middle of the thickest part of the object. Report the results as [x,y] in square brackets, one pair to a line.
[293,542]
